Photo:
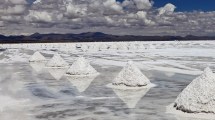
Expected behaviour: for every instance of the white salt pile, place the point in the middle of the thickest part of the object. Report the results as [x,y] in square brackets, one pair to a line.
[113,47]
[199,95]
[122,46]
[132,46]
[37,57]
[57,62]
[81,67]
[103,47]
[131,76]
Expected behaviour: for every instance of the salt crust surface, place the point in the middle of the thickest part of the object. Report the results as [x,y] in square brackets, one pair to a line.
[131,76]
[57,62]
[81,67]
[37,57]
[190,116]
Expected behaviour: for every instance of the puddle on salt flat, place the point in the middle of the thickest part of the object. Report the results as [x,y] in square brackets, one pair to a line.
[37,95]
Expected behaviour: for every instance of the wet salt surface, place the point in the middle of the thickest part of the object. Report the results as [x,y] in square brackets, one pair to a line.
[51,99]
[30,92]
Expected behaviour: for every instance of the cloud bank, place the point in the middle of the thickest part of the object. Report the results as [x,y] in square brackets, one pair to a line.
[137,17]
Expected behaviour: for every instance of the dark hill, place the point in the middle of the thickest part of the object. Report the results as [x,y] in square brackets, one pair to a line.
[92,37]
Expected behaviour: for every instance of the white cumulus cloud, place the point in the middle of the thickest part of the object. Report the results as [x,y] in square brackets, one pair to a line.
[167,9]
[36,16]
[127,17]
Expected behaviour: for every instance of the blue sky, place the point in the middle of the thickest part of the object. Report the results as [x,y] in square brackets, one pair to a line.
[187,5]
[184,5]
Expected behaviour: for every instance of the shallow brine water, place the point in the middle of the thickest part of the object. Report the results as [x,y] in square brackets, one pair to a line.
[40,95]
[29,91]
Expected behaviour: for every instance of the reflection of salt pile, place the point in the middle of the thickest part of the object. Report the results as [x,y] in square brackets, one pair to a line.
[81,67]
[131,76]
[199,95]
[57,61]
[131,96]
[57,73]
[37,66]
[131,85]
[81,82]
[37,57]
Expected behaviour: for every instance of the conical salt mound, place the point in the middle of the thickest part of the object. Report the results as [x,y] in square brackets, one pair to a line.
[199,95]
[57,61]
[37,57]
[131,76]
[81,67]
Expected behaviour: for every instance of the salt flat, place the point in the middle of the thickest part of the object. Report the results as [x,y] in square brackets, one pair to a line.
[169,65]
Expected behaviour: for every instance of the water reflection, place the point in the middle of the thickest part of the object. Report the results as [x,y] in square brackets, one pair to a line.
[37,66]
[81,82]
[13,85]
[51,89]
[12,114]
[57,73]
[131,96]
[14,108]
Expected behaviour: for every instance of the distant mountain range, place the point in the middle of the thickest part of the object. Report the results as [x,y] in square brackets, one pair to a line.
[92,37]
